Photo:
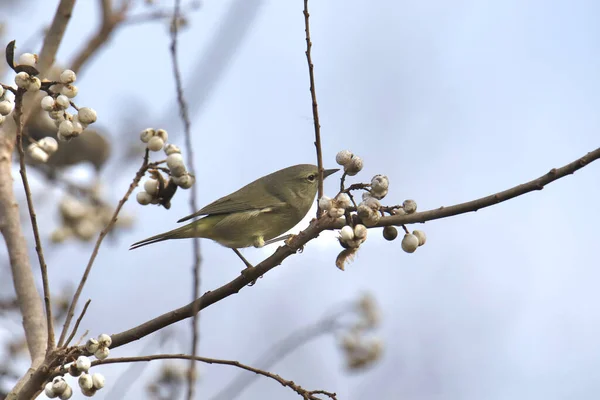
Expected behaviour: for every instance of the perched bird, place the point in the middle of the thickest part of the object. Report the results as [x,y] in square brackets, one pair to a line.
[256,213]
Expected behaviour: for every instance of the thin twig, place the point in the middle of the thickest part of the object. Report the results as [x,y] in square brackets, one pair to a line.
[315,107]
[110,21]
[276,353]
[319,225]
[158,15]
[74,331]
[183,113]
[306,394]
[17,115]
[103,233]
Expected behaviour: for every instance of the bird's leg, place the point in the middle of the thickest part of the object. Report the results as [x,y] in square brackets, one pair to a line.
[248,265]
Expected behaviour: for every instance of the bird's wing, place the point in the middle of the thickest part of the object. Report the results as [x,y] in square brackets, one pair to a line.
[227,205]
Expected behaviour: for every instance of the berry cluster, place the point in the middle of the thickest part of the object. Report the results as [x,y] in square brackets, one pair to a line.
[366,214]
[88,383]
[158,189]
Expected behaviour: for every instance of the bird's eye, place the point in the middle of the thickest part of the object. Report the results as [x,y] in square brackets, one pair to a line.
[311,177]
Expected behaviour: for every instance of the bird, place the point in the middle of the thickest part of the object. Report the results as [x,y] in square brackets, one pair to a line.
[255,214]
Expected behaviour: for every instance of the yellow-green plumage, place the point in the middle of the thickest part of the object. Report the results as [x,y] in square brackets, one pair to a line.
[258,212]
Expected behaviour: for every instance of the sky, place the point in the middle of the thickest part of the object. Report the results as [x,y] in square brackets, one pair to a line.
[452,101]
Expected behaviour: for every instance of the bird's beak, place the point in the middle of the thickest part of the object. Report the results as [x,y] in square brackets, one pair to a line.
[328,172]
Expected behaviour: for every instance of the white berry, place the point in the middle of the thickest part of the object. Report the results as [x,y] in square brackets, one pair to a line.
[85,381]
[421,236]
[102,353]
[104,340]
[6,107]
[48,144]
[343,157]
[47,103]
[347,233]
[155,144]
[144,198]
[86,115]
[410,243]
[98,380]
[27,59]
[83,363]
[67,76]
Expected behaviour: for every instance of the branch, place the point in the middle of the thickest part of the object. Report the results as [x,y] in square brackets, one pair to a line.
[183,113]
[315,108]
[110,21]
[17,114]
[28,298]
[319,225]
[275,354]
[309,395]
[103,233]
[54,36]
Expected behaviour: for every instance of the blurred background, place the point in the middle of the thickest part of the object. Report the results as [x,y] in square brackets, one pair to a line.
[451,100]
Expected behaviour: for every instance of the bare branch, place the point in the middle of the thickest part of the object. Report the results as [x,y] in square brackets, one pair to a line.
[183,113]
[110,21]
[315,107]
[74,332]
[328,324]
[309,395]
[17,115]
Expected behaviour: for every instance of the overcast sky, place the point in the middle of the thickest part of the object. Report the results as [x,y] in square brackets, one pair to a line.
[451,100]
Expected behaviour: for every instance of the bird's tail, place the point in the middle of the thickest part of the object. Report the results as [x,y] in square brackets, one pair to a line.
[186,231]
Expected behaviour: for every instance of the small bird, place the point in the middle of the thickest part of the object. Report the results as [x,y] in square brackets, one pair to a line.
[256,213]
